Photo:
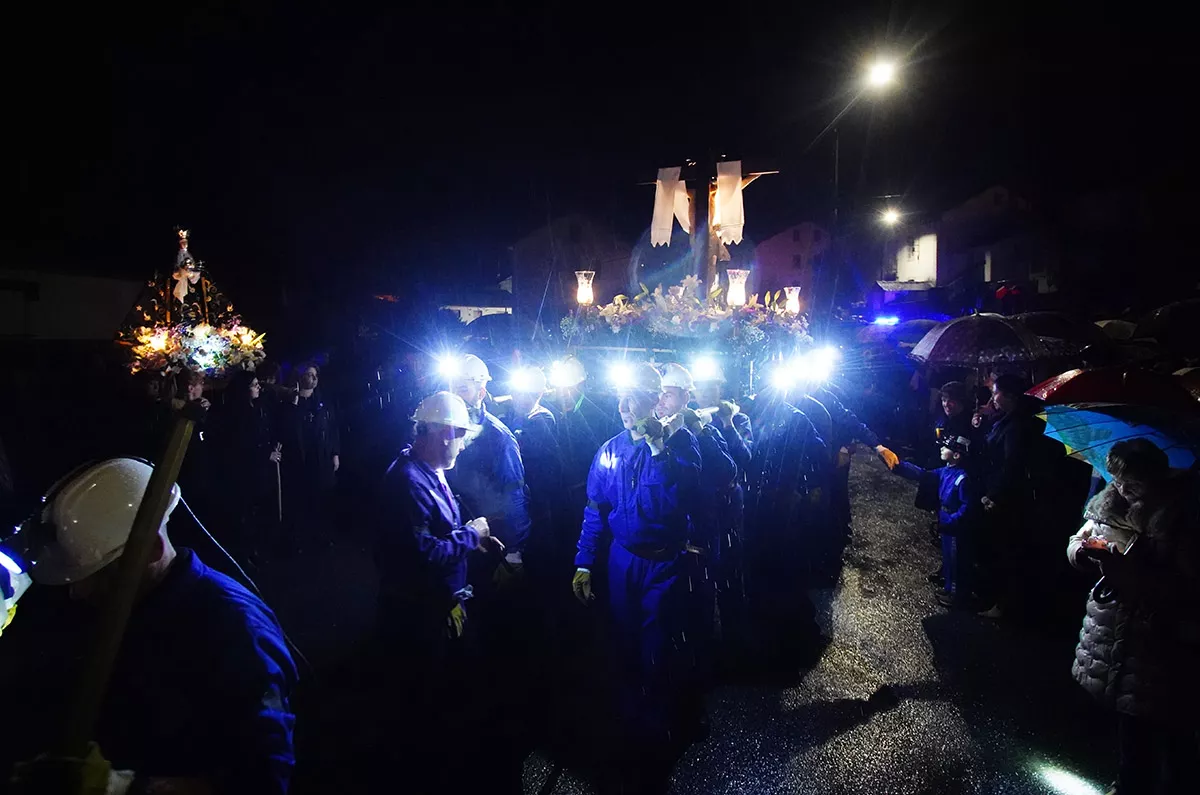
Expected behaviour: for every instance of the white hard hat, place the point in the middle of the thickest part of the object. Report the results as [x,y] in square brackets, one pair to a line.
[678,376]
[529,381]
[444,408]
[473,369]
[566,373]
[90,515]
[639,376]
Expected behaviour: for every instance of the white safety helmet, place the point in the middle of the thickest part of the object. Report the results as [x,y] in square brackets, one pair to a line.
[444,408]
[473,369]
[528,381]
[643,376]
[678,376]
[90,514]
[567,373]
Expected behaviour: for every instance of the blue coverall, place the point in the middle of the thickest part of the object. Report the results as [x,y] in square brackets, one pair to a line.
[788,462]
[958,503]
[643,500]
[489,478]
[421,550]
[201,686]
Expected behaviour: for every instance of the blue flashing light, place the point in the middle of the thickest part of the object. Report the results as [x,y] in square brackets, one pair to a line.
[887,320]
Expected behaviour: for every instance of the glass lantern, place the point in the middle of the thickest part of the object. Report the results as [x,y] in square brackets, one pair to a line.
[793,300]
[736,295]
[583,293]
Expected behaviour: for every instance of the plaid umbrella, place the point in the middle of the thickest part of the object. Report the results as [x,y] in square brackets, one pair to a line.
[1089,430]
[983,339]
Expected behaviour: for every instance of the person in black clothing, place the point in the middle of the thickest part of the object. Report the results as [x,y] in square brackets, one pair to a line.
[309,434]
[250,456]
[955,419]
[1008,489]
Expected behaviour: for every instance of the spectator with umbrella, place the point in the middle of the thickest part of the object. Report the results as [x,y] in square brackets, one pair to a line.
[1140,633]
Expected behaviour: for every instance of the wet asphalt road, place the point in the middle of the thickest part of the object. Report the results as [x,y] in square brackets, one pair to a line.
[908,698]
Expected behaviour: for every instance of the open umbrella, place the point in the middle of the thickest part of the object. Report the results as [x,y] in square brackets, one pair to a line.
[1132,386]
[909,332]
[1089,430]
[1120,330]
[980,339]
[1174,327]
[1061,326]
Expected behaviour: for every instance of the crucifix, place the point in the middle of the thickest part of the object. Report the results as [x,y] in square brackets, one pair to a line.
[712,224]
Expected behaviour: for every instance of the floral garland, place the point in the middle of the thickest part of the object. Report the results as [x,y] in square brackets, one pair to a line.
[680,312]
[203,348]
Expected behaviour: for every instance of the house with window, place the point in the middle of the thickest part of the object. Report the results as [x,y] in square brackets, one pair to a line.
[993,237]
[788,259]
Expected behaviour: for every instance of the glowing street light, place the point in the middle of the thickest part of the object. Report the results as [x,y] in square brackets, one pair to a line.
[890,216]
[881,74]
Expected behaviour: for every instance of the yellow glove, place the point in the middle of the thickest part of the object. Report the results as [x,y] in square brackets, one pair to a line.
[456,621]
[889,458]
[7,617]
[581,584]
[726,409]
[508,572]
[649,427]
[91,775]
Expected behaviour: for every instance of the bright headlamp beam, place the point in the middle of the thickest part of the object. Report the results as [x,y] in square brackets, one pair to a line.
[620,375]
[449,366]
[705,368]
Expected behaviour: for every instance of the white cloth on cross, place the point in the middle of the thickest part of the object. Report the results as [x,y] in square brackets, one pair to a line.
[729,216]
[670,203]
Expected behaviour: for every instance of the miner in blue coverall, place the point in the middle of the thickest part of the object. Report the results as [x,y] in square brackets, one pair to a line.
[959,512]
[709,519]
[784,475]
[198,698]
[847,428]
[421,548]
[640,487]
[489,477]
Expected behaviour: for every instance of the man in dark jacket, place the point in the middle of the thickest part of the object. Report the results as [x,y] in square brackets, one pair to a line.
[1140,634]
[1008,492]
[199,693]
[311,439]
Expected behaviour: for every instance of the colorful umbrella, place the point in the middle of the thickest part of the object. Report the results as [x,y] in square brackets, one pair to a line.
[1131,386]
[981,339]
[1089,430]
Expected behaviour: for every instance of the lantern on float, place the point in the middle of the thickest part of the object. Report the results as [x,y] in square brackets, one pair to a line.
[793,300]
[736,295]
[583,293]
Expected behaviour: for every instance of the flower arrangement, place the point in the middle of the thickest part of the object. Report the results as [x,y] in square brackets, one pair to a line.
[680,311]
[203,348]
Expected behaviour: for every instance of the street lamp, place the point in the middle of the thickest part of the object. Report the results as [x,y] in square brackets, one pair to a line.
[881,74]
[890,217]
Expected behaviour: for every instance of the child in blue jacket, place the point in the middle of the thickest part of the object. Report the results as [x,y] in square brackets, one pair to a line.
[957,515]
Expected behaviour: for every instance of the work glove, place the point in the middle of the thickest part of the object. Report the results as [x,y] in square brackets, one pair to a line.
[889,458]
[693,420]
[843,458]
[511,570]
[6,616]
[59,775]
[725,411]
[581,584]
[650,427]
[674,423]
[456,621]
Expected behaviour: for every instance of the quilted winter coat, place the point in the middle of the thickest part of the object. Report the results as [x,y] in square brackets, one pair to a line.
[1136,653]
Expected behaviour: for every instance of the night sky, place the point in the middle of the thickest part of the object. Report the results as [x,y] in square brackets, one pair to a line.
[356,144]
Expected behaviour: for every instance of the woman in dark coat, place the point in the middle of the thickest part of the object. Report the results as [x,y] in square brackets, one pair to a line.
[250,455]
[1140,640]
[312,443]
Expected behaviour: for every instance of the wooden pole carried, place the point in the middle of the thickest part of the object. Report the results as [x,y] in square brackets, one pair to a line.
[131,568]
